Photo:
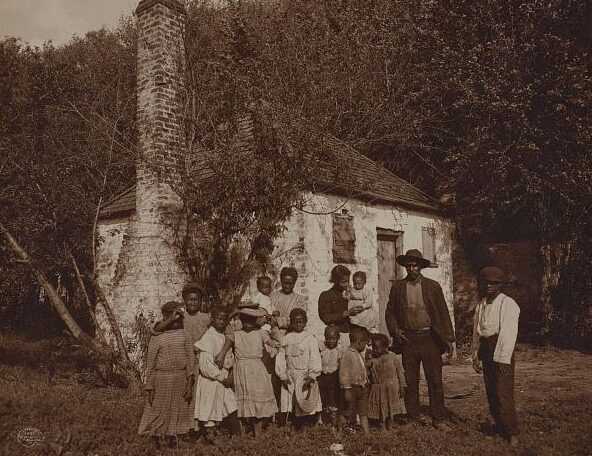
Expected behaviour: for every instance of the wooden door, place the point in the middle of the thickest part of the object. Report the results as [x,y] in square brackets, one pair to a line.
[389,246]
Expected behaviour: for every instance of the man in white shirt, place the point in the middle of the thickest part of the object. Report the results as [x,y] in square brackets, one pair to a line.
[495,329]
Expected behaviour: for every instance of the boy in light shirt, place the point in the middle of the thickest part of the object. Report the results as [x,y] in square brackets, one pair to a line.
[495,329]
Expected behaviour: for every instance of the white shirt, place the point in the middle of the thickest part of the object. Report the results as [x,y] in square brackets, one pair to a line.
[265,303]
[497,317]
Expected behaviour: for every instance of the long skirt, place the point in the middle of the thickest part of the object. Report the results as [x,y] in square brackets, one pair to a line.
[384,401]
[253,389]
[170,413]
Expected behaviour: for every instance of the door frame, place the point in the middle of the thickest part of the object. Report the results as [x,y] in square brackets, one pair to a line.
[386,234]
[396,237]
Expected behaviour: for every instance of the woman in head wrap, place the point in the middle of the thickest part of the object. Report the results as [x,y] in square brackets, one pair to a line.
[333,303]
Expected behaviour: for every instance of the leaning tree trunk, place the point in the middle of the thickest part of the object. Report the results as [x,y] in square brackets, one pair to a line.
[104,353]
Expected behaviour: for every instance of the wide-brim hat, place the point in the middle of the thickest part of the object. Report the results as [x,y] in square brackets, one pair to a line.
[171,306]
[415,256]
[192,287]
[308,399]
[255,312]
[492,274]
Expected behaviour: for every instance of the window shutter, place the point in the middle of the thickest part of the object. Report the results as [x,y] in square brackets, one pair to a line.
[344,239]
[429,244]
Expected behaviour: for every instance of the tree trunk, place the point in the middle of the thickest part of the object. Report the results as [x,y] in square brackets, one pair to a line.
[98,329]
[555,257]
[54,297]
[104,353]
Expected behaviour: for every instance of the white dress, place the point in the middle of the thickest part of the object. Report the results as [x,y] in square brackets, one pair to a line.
[298,358]
[213,401]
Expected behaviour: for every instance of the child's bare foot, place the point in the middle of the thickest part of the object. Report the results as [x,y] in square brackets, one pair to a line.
[364,424]
[257,428]
[209,436]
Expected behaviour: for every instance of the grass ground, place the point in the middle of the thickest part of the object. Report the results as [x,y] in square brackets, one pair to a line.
[553,388]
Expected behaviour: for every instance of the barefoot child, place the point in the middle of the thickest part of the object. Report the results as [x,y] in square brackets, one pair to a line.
[331,353]
[360,298]
[297,365]
[214,399]
[169,380]
[252,382]
[196,320]
[387,383]
[353,378]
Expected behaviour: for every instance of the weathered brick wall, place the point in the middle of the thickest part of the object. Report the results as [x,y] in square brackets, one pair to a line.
[146,272]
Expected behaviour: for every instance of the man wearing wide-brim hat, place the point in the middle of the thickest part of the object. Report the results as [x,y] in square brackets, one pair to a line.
[418,319]
[495,330]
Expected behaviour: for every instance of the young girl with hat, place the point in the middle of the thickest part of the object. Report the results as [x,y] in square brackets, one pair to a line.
[252,382]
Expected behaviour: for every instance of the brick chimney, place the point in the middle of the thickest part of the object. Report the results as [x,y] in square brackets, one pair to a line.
[143,271]
[161,95]
[154,274]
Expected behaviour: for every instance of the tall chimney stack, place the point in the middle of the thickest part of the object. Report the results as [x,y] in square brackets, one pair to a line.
[162,147]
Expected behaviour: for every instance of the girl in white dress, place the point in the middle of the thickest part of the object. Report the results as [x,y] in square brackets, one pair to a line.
[298,364]
[214,398]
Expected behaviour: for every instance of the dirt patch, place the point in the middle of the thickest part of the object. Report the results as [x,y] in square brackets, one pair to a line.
[553,395]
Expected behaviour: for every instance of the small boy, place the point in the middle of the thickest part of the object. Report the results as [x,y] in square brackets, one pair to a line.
[328,381]
[359,297]
[353,378]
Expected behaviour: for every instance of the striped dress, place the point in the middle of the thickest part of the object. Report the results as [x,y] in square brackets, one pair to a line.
[252,381]
[169,364]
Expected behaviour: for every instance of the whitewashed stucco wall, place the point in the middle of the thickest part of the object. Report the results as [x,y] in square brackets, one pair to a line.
[123,260]
[308,241]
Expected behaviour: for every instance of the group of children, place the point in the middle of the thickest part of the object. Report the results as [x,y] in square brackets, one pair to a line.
[204,369]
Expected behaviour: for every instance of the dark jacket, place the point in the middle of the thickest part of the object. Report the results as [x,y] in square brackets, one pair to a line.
[332,305]
[436,308]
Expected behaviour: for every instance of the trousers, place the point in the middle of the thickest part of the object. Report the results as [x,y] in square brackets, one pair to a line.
[422,348]
[499,385]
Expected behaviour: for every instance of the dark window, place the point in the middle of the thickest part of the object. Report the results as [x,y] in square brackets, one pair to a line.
[344,239]
[429,244]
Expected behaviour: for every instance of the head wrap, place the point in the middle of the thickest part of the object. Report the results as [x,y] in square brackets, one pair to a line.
[339,272]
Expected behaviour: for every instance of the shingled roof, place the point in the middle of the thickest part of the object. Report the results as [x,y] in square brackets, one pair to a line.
[367,180]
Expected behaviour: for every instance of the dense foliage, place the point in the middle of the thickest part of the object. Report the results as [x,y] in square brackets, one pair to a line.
[66,142]
[488,102]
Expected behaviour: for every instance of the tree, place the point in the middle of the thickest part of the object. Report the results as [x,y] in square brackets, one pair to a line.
[67,142]
[246,144]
